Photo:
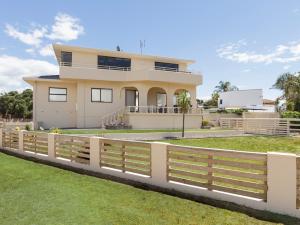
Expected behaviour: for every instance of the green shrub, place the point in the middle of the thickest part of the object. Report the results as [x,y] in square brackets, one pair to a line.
[27,127]
[55,130]
[290,114]
[234,111]
[205,123]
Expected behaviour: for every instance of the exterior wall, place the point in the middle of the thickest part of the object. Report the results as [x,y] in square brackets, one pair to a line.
[241,99]
[169,121]
[214,118]
[84,66]
[79,111]
[54,114]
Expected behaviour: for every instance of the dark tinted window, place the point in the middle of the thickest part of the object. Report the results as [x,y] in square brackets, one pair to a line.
[166,66]
[66,58]
[106,62]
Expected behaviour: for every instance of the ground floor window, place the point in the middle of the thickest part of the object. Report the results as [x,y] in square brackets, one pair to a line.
[57,94]
[102,95]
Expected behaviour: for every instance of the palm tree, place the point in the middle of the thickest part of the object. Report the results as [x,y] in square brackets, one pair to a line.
[224,86]
[290,85]
[184,102]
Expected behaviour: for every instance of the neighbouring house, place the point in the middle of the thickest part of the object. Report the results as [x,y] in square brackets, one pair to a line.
[251,99]
[269,105]
[97,88]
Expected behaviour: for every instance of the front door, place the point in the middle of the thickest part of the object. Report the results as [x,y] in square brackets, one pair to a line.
[131,98]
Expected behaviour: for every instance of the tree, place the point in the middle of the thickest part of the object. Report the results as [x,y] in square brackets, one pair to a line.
[184,102]
[289,84]
[224,86]
[16,105]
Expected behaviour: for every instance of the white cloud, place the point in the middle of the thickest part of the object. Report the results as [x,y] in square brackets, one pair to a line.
[13,69]
[281,53]
[47,50]
[32,37]
[66,28]
[286,67]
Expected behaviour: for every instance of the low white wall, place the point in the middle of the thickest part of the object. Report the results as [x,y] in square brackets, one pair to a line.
[163,121]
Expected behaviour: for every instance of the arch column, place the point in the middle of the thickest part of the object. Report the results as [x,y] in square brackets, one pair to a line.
[170,96]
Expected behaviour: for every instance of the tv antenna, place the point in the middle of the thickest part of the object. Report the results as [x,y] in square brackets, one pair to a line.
[142,45]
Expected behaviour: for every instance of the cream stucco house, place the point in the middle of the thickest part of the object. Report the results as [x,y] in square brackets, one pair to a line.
[99,87]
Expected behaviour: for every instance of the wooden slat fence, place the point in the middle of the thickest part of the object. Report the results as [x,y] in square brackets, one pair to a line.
[127,156]
[241,173]
[10,139]
[73,148]
[35,142]
[264,126]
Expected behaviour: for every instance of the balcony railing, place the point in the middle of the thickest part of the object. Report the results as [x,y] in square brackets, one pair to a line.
[169,69]
[160,109]
[105,67]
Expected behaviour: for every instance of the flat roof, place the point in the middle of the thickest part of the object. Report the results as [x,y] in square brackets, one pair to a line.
[58,47]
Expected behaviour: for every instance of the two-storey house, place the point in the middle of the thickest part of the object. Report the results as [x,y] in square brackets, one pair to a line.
[99,87]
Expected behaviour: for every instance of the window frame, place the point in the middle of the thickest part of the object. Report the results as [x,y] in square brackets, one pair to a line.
[110,89]
[173,67]
[114,67]
[64,62]
[49,94]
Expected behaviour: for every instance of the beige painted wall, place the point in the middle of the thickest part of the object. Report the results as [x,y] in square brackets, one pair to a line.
[163,121]
[79,111]
[55,114]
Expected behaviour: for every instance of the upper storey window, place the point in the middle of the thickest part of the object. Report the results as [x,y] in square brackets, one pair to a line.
[114,63]
[66,58]
[166,66]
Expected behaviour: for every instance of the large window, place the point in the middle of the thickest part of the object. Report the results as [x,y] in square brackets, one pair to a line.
[166,66]
[57,94]
[102,95]
[66,58]
[114,63]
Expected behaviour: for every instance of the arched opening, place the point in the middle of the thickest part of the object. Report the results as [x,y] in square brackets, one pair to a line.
[176,94]
[157,97]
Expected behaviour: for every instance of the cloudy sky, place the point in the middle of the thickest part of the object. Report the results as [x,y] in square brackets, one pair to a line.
[248,43]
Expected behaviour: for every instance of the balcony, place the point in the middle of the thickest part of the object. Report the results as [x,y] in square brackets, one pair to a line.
[112,73]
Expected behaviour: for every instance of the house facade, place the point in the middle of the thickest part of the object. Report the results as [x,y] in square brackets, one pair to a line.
[99,87]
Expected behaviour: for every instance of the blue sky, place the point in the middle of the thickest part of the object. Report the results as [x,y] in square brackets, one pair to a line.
[248,43]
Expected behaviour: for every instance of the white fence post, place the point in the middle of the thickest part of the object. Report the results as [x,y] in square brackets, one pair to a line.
[21,140]
[1,137]
[95,152]
[51,146]
[282,179]
[159,163]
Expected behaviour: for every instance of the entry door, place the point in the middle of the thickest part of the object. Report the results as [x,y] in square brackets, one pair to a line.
[130,98]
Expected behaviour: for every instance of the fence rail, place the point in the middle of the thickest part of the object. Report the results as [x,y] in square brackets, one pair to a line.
[127,156]
[73,148]
[265,126]
[10,139]
[35,142]
[229,171]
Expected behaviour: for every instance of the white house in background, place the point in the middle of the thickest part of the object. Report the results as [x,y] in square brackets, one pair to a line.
[245,99]
[269,105]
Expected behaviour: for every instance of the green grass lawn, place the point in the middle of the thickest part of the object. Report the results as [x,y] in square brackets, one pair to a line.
[100,131]
[249,143]
[32,193]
